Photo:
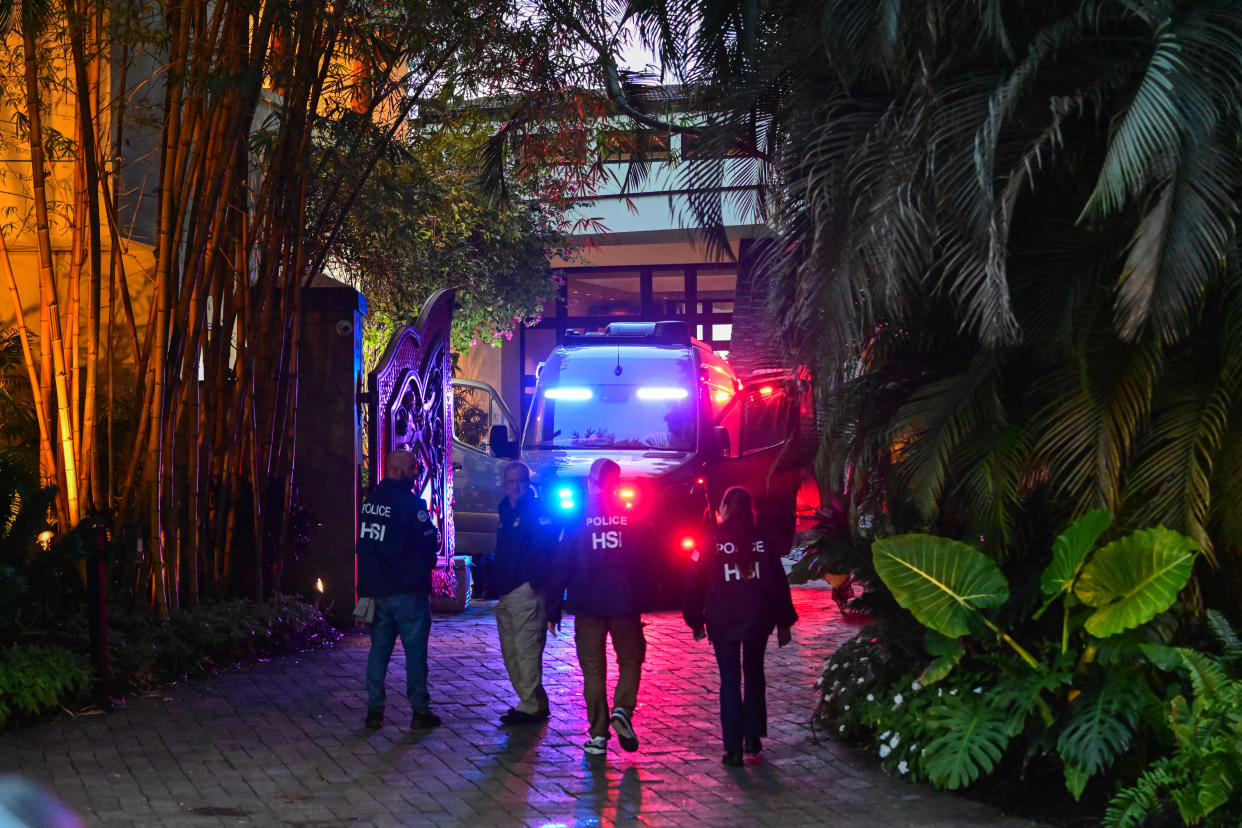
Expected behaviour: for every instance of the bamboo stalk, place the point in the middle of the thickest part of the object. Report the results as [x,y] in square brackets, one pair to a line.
[46,274]
[46,460]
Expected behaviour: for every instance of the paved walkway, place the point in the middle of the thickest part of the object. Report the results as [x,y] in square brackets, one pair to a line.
[282,743]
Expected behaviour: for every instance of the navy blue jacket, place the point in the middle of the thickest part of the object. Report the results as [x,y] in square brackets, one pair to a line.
[397,543]
[524,546]
[736,586]
[604,564]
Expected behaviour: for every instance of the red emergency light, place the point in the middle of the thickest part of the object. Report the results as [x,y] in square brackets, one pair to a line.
[688,543]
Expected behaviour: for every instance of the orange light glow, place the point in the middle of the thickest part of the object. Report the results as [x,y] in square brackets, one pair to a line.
[687,543]
[766,390]
[699,481]
[628,494]
[721,396]
[319,585]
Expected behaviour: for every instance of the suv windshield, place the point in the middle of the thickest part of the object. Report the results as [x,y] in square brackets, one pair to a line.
[622,397]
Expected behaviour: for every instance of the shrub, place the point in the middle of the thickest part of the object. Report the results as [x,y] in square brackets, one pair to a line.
[1067,669]
[36,680]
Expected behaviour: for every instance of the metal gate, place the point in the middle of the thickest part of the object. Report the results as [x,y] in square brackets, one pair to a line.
[411,404]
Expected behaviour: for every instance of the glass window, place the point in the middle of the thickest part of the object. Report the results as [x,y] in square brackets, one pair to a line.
[668,293]
[722,333]
[605,294]
[716,285]
[622,398]
[475,411]
[764,420]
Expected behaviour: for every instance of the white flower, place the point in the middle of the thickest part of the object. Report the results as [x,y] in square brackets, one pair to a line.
[845,707]
[977,690]
[897,700]
[903,767]
[884,735]
[939,692]
[870,697]
[819,683]
[833,666]
[953,692]
[885,750]
[916,686]
[841,729]
[896,740]
[860,680]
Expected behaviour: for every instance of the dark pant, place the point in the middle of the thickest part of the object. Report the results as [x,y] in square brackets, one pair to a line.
[630,645]
[410,617]
[742,717]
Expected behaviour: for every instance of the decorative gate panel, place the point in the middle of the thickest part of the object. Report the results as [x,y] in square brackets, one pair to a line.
[412,409]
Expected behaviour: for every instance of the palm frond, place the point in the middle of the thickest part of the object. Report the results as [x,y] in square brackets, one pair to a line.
[1181,244]
[1189,87]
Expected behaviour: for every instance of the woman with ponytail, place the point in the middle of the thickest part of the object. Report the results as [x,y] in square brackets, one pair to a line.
[736,592]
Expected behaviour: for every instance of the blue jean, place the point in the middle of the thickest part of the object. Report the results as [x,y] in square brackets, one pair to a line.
[410,617]
[742,717]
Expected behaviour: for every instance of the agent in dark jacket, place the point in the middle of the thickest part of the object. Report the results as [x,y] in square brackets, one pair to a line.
[396,548]
[605,559]
[519,569]
[736,591]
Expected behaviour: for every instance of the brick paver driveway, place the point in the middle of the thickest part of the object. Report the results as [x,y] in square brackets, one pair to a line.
[282,743]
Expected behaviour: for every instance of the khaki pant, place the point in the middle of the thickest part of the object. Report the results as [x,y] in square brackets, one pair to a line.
[630,646]
[522,624]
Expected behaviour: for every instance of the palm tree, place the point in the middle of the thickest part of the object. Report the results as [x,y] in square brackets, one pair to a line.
[1005,238]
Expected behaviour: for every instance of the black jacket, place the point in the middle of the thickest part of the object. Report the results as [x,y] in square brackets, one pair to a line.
[397,543]
[524,546]
[605,564]
[735,600]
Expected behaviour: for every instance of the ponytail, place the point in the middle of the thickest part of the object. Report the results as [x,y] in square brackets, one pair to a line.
[741,517]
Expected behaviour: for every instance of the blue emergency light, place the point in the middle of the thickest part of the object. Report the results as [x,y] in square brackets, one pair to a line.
[566,496]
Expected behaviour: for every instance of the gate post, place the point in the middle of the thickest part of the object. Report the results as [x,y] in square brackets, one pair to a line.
[328,445]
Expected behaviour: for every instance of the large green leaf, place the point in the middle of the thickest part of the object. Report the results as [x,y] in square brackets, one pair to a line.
[972,738]
[1135,578]
[941,581]
[1070,550]
[1101,727]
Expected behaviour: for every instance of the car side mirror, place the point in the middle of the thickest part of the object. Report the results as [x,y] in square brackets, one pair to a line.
[720,435]
[499,442]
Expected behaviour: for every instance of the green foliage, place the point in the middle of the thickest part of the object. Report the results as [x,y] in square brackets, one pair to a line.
[35,680]
[1078,700]
[144,652]
[1134,578]
[1202,779]
[943,583]
[972,738]
[422,221]
[1100,728]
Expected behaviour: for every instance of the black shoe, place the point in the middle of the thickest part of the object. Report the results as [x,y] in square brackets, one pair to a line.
[521,717]
[620,722]
[751,744]
[375,719]
[732,760]
[424,720]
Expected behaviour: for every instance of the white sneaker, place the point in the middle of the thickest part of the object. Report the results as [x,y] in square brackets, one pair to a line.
[596,745]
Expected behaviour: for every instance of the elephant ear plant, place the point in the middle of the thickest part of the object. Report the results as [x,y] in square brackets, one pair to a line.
[1080,691]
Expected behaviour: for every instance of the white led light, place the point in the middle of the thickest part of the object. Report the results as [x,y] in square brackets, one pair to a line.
[577,394]
[662,393]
